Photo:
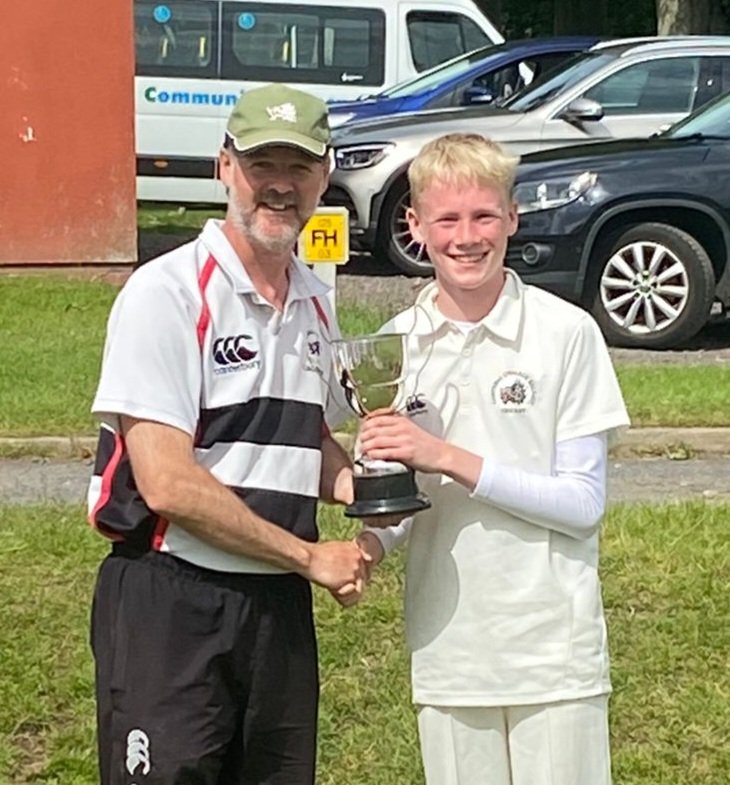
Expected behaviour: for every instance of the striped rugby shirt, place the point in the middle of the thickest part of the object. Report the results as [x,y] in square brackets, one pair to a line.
[191,344]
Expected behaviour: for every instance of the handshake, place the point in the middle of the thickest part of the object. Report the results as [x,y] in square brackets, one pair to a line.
[344,567]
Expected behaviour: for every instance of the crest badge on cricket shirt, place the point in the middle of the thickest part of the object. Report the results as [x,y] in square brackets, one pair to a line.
[513,392]
[313,352]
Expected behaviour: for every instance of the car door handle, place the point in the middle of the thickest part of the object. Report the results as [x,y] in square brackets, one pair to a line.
[345,77]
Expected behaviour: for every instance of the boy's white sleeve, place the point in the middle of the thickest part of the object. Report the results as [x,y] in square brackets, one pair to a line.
[571,500]
[392,537]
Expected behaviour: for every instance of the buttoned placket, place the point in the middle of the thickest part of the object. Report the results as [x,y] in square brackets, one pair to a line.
[290,311]
[466,363]
[275,318]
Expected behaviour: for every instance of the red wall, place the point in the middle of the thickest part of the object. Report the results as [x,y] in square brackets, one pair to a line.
[67,132]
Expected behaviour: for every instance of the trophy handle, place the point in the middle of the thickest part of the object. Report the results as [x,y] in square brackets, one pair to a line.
[363,400]
[350,390]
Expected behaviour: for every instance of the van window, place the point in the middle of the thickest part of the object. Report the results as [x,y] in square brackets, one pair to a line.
[290,43]
[175,39]
[438,36]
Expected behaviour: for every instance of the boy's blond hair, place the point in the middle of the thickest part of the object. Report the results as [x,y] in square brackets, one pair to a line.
[457,159]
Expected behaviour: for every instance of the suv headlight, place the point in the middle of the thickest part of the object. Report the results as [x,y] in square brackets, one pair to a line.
[551,193]
[360,157]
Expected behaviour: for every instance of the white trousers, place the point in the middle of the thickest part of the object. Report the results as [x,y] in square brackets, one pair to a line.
[562,743]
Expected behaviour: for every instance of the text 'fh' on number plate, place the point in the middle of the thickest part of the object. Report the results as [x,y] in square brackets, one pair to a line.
[326,237]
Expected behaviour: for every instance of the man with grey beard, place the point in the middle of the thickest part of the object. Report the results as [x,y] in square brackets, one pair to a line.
[215,407]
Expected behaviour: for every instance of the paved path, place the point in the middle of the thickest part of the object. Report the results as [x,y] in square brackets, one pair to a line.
[646,479]
[663,480]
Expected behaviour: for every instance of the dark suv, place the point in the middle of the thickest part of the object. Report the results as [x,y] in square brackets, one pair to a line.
[638,231]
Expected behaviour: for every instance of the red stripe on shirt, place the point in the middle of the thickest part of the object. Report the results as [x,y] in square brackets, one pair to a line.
[106,484]
[158,536]
[321,314]
[202,328]
[203,280]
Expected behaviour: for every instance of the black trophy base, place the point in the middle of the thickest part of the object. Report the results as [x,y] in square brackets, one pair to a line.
[386,494]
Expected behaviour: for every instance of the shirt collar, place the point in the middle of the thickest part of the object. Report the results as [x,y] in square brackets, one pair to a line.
[303,283]
[504,320]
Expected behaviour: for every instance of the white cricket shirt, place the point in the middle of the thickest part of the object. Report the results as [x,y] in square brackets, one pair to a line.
[500,611]
[191,344]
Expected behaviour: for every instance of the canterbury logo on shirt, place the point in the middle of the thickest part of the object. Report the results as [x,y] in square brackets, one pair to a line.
[415,403]
[138,752]
[234,352]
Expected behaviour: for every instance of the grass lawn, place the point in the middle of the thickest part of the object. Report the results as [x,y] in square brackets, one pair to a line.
[51,334]
[52,331]
[665,574]
[676,395]
[51,339]
[173,218]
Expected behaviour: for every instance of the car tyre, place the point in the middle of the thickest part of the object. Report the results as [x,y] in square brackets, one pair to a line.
[653,288]
[394,240]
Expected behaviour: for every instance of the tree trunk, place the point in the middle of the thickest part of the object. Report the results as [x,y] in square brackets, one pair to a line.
[690,17]
[580,17]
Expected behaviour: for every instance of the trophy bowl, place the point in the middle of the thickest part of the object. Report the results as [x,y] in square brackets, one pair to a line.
[370,370]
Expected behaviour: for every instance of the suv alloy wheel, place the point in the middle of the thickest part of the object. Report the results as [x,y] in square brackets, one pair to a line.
[654,289]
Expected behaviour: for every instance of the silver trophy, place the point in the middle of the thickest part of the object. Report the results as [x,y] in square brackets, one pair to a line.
[370,370]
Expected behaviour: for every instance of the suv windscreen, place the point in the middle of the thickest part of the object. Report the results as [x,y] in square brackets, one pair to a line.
[712,120]
[440,73]
[556,80]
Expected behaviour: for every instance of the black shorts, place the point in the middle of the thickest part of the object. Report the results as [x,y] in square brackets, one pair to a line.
[203,677]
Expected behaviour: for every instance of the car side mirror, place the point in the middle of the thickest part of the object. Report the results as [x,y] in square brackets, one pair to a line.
[662,128]
[582,110]
[477,95]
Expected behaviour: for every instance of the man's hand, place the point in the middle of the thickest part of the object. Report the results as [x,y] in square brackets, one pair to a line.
[372,552]
[393,437]
[338,566]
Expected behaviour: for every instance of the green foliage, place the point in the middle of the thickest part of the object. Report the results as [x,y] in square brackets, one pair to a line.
[665,573]
[535,18]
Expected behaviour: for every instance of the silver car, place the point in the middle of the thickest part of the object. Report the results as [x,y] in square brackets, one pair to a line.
[627,88]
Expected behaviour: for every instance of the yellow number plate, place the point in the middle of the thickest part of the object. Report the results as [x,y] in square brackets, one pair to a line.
[326,237]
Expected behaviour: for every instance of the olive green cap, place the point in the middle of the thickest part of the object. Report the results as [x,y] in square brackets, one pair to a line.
[277,114]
